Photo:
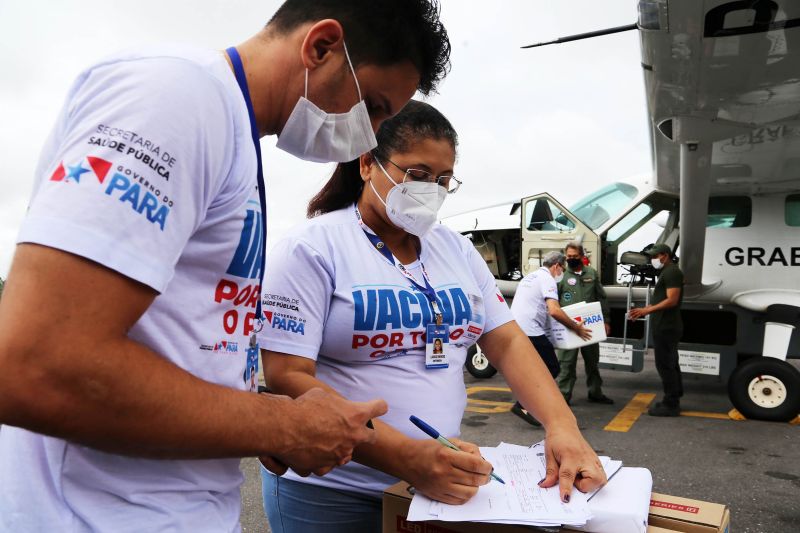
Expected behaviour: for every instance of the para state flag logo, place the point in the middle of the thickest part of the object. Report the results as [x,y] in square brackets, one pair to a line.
[96,167]
[144,200]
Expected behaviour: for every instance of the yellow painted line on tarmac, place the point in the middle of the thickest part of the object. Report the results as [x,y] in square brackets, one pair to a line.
[473,390]
[701,414]
[630,413]
[488,402]
[489,410]
[474,404]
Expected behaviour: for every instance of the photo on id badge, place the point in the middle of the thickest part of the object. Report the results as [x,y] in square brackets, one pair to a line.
[437,343]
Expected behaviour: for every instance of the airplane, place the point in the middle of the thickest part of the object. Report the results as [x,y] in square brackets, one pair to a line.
[722,81]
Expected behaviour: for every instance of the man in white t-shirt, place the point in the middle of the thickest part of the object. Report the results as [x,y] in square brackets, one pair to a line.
[534,304]
[127,320]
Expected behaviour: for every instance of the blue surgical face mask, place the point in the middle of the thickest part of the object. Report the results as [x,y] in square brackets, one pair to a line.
[315,135]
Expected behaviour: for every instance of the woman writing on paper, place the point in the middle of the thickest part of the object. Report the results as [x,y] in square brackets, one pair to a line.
[375,280]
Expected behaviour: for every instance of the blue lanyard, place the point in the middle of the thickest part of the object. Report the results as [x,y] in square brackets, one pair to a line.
[427,289]
[238,70]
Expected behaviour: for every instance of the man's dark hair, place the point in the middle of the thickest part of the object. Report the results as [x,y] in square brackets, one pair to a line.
[380,32]
[575,245]
[416,122]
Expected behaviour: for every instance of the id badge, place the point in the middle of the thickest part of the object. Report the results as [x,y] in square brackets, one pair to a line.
[251,369]
[437,344]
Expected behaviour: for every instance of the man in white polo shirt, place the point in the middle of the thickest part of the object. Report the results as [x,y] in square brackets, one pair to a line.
[128,322]
[535,302]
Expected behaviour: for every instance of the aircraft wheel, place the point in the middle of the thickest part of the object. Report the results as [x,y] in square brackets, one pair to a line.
[764,388]
[478,365]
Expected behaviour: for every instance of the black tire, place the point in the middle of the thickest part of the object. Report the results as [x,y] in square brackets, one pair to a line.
[478,365]
[764,388]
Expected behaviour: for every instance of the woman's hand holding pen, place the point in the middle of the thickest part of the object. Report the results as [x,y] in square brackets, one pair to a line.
[444,474]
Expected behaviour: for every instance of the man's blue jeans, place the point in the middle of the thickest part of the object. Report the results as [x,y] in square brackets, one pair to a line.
[295,507]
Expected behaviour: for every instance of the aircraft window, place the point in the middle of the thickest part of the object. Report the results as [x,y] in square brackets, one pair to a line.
[543,215]
[650,221]
[623,227]
[605,204]
[793,210]
[729,212]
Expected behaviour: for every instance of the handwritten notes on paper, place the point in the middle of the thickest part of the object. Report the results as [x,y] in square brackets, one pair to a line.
[520,500]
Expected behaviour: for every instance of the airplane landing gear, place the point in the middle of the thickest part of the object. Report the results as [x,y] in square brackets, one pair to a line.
[478,365]
[765,388]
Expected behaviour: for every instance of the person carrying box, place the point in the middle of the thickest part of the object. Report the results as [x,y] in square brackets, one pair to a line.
[536,299]
[581,283]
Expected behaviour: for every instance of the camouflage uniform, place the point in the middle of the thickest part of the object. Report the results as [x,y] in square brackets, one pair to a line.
[575,288]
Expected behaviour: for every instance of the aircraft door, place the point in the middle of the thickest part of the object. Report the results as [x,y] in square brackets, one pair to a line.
[654,219]
[547,225]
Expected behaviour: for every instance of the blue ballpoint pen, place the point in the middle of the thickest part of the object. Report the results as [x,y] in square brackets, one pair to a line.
[443,441]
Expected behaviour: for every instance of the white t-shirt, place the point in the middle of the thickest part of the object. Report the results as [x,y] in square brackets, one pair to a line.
[530,302]
[330,296]
[150,170]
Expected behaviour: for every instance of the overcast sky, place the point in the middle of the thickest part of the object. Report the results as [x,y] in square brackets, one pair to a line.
[565,119]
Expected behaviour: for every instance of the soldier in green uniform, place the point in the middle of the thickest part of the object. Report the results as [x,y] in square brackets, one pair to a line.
[581,283]
[667,328]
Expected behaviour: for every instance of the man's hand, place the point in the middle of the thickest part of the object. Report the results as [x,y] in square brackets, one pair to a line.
[116,389]
[638,312]
[608,329]
[273,465]
[555,311]
[571,461]
[443,474]
[583,332]
[322,432]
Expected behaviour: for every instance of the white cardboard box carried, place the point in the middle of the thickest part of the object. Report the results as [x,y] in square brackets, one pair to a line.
[588,314]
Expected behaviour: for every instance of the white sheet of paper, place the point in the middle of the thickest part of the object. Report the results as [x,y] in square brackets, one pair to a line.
[623,504]
[620,507]
[610,467]
[520,500]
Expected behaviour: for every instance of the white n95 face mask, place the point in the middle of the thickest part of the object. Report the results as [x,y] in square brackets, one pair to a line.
[559,277]
[412,205]
[315,135]
[656,262]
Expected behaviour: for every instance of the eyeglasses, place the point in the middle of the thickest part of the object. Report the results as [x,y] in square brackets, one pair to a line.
[451,183]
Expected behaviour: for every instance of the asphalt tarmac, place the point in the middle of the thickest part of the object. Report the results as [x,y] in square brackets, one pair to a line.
[753,467]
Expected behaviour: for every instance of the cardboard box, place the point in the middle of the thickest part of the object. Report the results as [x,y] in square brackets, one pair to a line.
[590,315]
[668,514]
[692,516]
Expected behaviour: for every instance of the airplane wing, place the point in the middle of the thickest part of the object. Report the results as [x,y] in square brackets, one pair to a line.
[725,73]
[722,81]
